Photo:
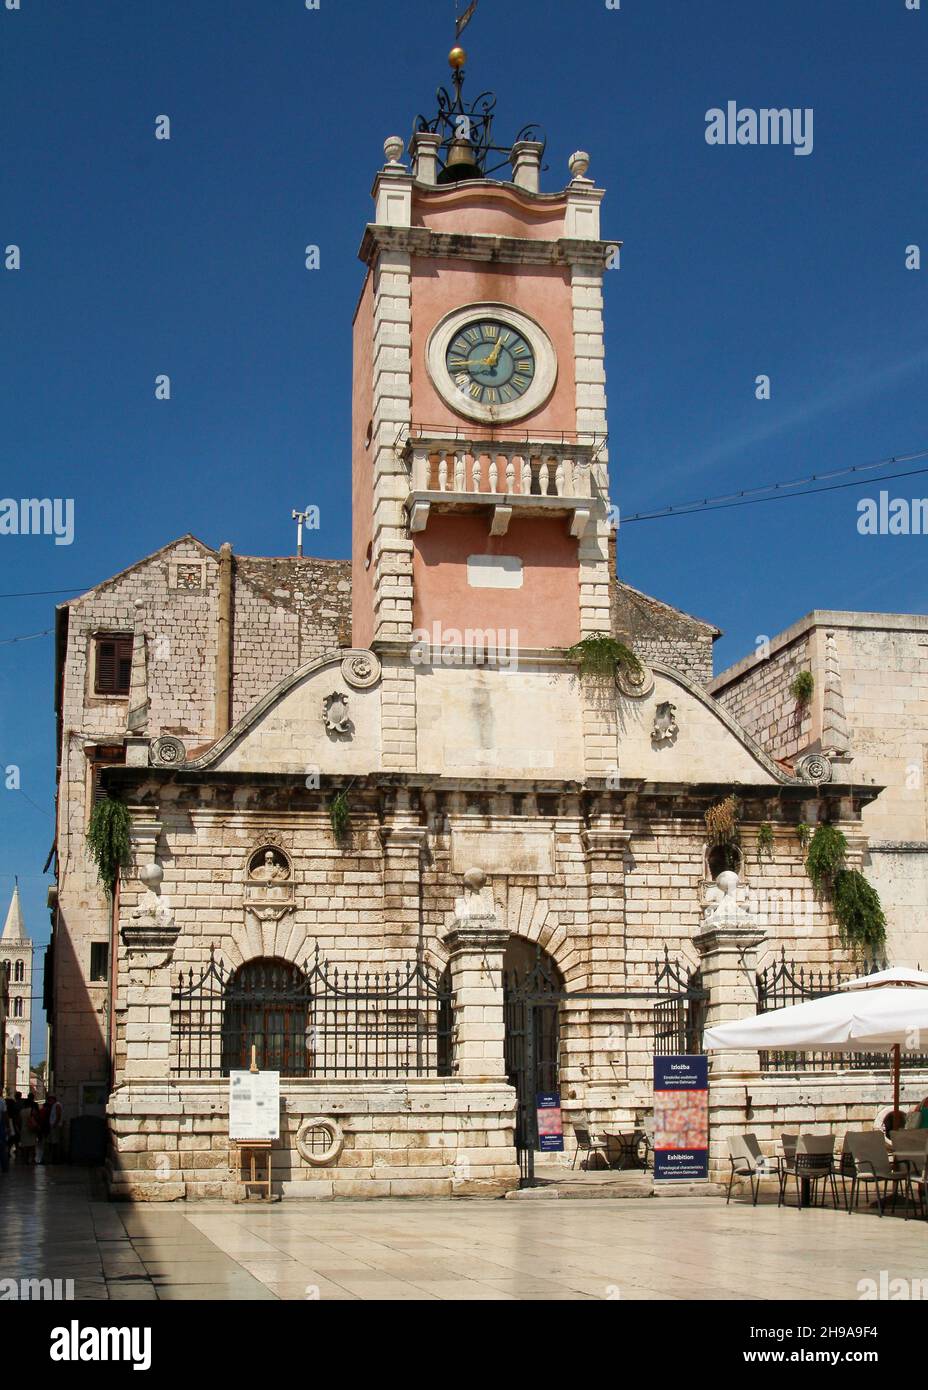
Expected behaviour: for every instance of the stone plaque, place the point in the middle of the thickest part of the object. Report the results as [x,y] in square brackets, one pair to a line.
[502,851]
[494,572]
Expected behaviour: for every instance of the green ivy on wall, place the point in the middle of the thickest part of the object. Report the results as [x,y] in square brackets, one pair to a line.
[600,656]
[108,841]
[856,903]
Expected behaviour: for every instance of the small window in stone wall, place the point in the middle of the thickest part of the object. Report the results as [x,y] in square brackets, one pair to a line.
[19,973]
[722,857]
[112,665]
[99,962]
[187,574]
[101,756]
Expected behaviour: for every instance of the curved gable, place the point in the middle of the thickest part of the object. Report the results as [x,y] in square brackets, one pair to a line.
[286,731]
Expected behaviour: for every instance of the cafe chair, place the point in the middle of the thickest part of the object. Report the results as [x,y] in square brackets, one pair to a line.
[812,1163]
[918,1183]
[910,1148]
[747,1161]
[872,1165]
[588,1145]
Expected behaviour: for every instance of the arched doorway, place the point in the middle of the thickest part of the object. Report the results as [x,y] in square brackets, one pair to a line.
[533,988]
[266,1006]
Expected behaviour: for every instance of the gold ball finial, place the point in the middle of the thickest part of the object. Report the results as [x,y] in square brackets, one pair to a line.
[457,58]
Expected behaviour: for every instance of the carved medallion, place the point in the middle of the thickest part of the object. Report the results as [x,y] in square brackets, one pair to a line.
[636,683]
[361,670]
[814,767]
[167,751]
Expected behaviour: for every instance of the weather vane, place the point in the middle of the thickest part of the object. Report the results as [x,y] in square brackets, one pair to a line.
[461,21]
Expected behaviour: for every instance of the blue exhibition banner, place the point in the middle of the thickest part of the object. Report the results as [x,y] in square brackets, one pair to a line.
[681,1118]
[550,1123]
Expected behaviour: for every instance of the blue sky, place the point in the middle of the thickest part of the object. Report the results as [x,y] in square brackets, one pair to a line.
[185,257]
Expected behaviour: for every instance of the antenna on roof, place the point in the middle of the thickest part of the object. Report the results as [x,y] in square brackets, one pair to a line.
[300,519]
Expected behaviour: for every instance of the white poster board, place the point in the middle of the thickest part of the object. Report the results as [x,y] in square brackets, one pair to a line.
[254,1105]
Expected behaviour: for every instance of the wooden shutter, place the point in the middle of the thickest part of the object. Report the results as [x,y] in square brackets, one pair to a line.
[113,670]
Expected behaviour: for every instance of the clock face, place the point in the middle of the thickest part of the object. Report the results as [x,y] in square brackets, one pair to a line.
[490,362]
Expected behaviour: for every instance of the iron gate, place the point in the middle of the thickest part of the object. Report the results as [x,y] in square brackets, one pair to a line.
[532,1042]
[532,1001]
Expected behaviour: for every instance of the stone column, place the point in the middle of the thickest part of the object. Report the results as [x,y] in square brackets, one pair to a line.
[148,934]
[728,945]
[476,942]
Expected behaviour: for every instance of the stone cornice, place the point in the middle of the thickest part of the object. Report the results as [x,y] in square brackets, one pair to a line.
[478,246]
[723,938]
[820,618]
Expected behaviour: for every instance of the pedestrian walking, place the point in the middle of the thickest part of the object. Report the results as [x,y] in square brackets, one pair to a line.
[29,1128]
[5,1136]
[12,1122]
[54,1143]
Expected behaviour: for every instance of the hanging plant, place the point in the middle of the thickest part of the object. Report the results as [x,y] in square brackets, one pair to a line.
[802,688]
[827,851]
[859,914]
[600,656]
[723,822]
[803,834]
[764,841]
[108,841]
[340,815]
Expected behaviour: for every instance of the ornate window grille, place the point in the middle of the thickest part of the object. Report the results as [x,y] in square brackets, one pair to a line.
[313,1021]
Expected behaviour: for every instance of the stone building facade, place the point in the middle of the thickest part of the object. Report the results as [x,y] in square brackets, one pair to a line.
[869,715]
[363,852]
[202,635]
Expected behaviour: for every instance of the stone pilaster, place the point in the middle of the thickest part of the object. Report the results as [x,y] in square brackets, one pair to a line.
[605,842]
[149,932]
[403,840]
[476,942]
[398,708]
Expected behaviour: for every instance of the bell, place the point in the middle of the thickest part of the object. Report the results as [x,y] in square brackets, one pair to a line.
[461,163]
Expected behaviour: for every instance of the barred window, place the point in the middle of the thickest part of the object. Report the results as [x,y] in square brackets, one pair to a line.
[266,1006]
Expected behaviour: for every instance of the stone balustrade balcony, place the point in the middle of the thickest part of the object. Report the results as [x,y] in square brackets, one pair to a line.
[543,478]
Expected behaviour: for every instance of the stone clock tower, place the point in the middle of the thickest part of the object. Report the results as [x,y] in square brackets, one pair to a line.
[481,489]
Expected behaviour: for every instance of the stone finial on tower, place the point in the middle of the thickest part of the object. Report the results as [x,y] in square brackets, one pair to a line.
[578,164]
[525,158]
